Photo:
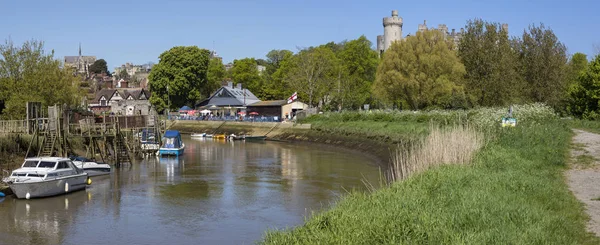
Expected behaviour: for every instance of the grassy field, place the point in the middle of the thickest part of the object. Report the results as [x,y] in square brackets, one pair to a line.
[512,192]
[590,126]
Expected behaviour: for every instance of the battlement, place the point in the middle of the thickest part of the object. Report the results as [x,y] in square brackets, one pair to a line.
[392,21]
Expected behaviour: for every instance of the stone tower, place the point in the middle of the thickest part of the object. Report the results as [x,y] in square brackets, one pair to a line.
[392,29]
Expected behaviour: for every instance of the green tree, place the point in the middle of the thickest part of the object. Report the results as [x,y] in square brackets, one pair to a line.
[576,65]
[216,74]
[279,65]
[123,75]
[357,75]
[27,73]
[491,65]
[98,67]
[179,77]
[245,71]
[543,61]
[422,71]
[310,73]
[585,94]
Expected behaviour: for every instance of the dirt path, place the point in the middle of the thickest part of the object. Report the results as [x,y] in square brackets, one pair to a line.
[584,176]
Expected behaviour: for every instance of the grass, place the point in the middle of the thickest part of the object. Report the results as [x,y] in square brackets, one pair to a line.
[586,125]
[513,192]
[584,160]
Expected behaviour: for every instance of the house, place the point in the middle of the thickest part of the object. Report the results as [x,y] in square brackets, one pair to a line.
[228,100]
[121,101]
[276,108]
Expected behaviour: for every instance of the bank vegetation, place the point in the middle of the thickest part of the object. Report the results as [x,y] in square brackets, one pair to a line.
[466,181]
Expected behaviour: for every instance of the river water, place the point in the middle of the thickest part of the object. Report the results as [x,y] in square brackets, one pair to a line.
[218,192]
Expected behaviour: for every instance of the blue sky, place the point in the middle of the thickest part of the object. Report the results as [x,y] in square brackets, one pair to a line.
[138,31]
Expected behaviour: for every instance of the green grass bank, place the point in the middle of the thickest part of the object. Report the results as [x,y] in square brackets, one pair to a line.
[513,192]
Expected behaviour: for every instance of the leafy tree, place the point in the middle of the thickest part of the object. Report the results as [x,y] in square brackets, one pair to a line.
[491,64]
[261,62]
[357,75]
[179,77]
[310,71]
[216,74]
[27,73]
[276,87]
[245,71]
[422,71]
[576,65]
[543,62]
[99,66]
[123,75]
[585,94]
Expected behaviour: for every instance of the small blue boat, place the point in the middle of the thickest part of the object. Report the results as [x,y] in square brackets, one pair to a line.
[172,144]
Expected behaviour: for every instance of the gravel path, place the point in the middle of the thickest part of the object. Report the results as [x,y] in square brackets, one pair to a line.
[584,175]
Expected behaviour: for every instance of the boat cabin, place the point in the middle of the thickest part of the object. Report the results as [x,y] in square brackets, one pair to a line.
[172,139]
[45,168]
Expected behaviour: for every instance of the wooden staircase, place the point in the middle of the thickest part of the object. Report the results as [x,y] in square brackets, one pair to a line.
[121,149]
[47,149]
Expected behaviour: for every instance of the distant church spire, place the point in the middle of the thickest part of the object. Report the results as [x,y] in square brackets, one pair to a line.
[79,49]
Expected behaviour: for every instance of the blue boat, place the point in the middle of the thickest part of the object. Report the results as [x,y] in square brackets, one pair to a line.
[172,144]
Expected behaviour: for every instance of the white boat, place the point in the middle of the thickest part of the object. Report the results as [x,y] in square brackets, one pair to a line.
[208,136]
[91,167]
[202,135]
[46,176]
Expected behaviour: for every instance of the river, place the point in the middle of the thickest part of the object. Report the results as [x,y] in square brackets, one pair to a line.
[218,192]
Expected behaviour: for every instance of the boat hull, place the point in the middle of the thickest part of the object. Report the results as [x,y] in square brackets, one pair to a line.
[96,171]
[46,188]
[255,138]
[170,151]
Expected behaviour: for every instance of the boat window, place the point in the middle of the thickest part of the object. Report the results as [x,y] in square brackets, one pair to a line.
[62,165]
[30,164]
[19,174]
[52,175]
[35,175]
[47,164]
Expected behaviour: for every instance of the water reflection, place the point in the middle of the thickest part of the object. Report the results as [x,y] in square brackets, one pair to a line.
[215,188]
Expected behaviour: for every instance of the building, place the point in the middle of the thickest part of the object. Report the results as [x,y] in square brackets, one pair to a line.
[392,31]
[121,101]
[276,108]
[261,69]
[228,100]
[80,63]
[132,69]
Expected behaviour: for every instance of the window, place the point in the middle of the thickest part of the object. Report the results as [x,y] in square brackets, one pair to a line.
[103,102]
[30,164]
[62,165]
[46,165]
[35,175]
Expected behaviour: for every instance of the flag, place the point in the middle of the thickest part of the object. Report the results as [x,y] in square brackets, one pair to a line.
[293,97]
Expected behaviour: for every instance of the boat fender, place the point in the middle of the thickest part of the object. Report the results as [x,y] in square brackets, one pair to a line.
[2,194]
[67,187]
[88,181]
[27,196]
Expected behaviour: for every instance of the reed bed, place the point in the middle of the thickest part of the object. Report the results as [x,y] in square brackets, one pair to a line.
[454,145]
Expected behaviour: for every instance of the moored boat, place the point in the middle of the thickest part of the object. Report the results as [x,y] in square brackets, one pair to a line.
[172,144]
[46,176]
[202,135]
[91,167]
[255,138]
[219,136]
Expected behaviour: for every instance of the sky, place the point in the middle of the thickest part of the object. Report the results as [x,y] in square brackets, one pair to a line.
[139,31]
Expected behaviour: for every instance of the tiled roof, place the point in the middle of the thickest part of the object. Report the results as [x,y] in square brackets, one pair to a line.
[270,103]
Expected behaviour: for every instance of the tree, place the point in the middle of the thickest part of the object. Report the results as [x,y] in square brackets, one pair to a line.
[99,67]
[422,71]
[27,73]
[245,71]
[123,75]
[309,72]
[276,87]
[179,77]
[585,94]
[357,75]
[216,75]
[491,64]
[576,65]
[543,65]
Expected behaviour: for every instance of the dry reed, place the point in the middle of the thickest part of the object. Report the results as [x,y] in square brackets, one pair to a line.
[450,145]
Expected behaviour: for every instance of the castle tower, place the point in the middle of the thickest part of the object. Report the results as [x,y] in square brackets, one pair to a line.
[392,29]
[380,44]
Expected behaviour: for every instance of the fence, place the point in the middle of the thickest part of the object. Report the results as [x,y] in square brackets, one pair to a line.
[228,118]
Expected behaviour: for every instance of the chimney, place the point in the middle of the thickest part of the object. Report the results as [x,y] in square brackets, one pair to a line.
[239,86]
[230,84]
